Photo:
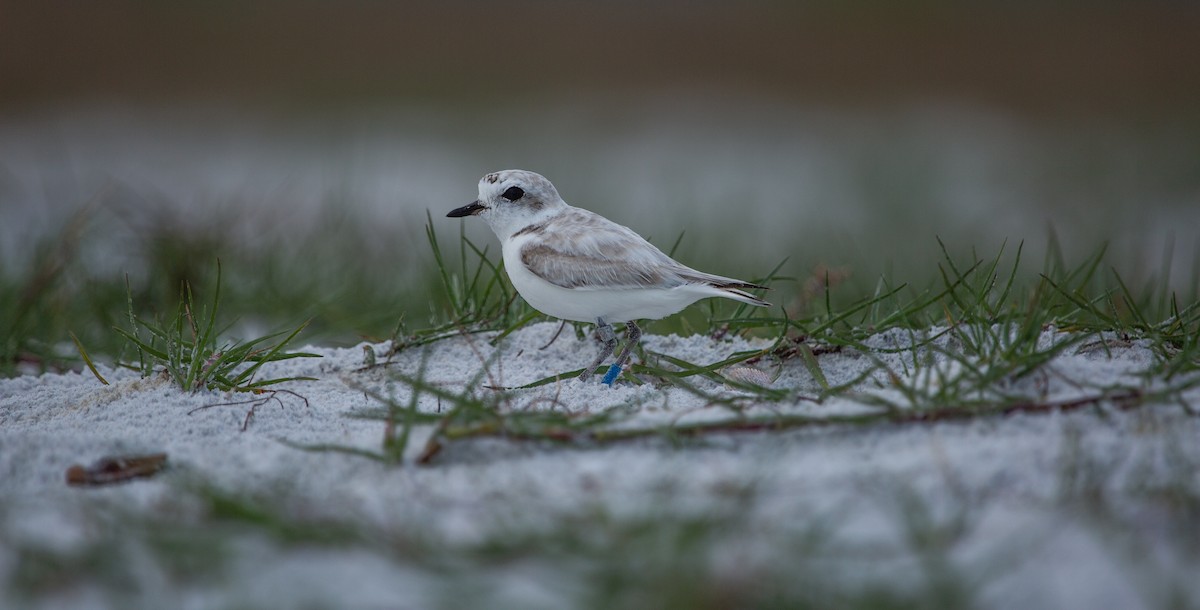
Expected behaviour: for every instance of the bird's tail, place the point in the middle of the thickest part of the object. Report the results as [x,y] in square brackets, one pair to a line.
[726,287]
[743,296]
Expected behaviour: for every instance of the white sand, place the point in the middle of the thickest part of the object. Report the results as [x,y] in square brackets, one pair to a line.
[1057,510]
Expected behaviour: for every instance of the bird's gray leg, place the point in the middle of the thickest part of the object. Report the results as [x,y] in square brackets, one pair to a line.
[604,330]
[633,334]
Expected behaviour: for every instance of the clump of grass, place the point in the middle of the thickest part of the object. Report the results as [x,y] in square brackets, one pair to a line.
[477,298]
[31,303]
[189,349]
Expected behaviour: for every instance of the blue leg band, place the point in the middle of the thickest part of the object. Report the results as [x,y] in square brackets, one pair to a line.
[614,371]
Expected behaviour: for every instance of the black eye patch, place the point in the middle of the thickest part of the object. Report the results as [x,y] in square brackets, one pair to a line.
[513,193]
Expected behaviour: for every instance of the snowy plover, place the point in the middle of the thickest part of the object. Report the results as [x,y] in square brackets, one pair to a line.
[576,265]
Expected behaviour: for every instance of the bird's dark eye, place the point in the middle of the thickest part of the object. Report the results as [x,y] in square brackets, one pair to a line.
[513,193]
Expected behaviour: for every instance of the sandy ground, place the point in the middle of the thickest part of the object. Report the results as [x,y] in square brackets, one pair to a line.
[1087,509]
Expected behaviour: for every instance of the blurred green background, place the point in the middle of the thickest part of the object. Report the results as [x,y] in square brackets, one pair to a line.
[303,142]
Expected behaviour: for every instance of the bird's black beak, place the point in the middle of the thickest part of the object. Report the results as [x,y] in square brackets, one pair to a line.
[470,209]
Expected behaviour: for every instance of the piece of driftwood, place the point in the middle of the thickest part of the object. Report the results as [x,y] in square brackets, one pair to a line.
[116,469]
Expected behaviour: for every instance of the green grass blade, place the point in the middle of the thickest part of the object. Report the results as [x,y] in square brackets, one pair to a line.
[87,359]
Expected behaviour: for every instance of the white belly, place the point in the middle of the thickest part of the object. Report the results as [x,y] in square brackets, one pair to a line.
[590,304]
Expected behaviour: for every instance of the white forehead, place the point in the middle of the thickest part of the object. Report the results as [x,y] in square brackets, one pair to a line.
[530,182]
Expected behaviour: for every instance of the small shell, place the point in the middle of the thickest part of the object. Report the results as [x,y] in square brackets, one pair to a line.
[746,375]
